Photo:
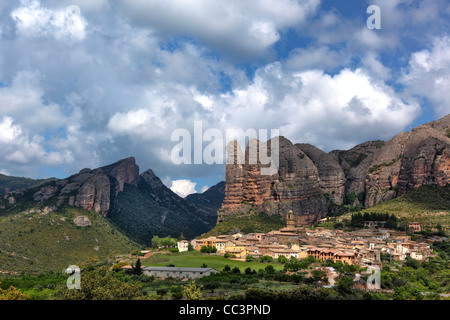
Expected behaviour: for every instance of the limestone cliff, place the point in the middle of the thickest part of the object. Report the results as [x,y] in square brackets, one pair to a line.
[373,172]
[294,187]
[91,189]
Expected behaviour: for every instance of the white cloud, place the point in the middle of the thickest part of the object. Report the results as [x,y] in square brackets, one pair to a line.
[204,189]
[311,106]
[428,75]
[183,187]
[249,27]
[377,69]
[35,21]
[23,100]
[16,146]
[321,57]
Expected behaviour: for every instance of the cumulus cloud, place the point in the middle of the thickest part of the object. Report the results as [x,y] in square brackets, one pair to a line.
[35,21]
[237,27]
[312,106]
[183,187]
[428,72]
[18,148]
[122,77]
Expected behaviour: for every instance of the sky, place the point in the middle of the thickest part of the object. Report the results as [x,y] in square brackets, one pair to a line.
[85,83]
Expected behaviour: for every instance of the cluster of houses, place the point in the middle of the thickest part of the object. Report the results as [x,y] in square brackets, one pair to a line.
[363,247]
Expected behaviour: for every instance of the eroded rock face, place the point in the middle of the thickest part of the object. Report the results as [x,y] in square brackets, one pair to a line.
[45,193]
[426,160]
[331,175]
[294,187]
[126,172]
[89,189]
[374,172]
[95,194]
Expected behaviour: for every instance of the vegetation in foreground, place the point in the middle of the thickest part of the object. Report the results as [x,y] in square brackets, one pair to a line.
[274,279]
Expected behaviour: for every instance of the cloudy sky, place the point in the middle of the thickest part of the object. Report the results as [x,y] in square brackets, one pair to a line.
[84,83]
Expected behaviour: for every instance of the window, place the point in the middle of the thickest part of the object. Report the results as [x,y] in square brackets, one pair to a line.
[187,275]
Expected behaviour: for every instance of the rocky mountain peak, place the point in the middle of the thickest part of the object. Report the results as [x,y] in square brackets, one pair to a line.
[370,173]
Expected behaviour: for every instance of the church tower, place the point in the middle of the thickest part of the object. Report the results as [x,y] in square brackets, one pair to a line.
[290,220]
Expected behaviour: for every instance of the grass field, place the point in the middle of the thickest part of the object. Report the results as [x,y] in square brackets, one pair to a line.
[197,259]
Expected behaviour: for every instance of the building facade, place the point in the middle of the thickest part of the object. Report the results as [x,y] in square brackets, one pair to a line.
[177,272]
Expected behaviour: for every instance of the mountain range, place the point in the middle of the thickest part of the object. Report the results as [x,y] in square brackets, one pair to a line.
[310,182]
[138,205]
[52,223]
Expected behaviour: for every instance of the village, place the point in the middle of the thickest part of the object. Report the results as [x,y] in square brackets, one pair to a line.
[364,247]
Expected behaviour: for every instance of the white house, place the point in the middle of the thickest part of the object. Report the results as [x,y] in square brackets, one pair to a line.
[182,245]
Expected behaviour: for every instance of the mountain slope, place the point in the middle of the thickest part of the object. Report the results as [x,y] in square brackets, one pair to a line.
[9,183]
[420,205]
[150,208]
[139,205]
[37,240]
[368,174]
[211,199]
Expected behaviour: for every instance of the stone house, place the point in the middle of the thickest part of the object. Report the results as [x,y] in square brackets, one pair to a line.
[177,272]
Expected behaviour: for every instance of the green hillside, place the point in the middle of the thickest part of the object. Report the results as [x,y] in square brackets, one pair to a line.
[39,241]
[418,205]
[249,223]
[14,183]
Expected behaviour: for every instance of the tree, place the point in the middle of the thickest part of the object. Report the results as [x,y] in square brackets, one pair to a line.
[236,270]
[208,249]
[212,285]
[413,263]
[101,284]
[13,294]
[137,269]
[177,292]
[269,269]
[260,294]
[192,291]
[249,258]
[345,285]
[319,275]
[162,291]
[226,268]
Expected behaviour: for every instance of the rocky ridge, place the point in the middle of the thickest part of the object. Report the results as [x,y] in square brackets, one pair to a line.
[370,173]
[140,205]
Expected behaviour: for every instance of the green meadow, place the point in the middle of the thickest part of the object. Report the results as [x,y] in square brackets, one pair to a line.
[197,259]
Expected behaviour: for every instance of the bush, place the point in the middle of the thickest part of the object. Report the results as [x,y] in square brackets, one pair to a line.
[208,249]
[177,292]
[260,294]
[162,291]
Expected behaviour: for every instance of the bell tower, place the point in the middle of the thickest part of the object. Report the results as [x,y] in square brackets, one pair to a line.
[290,220]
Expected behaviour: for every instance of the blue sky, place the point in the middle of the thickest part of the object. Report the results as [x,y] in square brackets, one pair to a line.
[84,83]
